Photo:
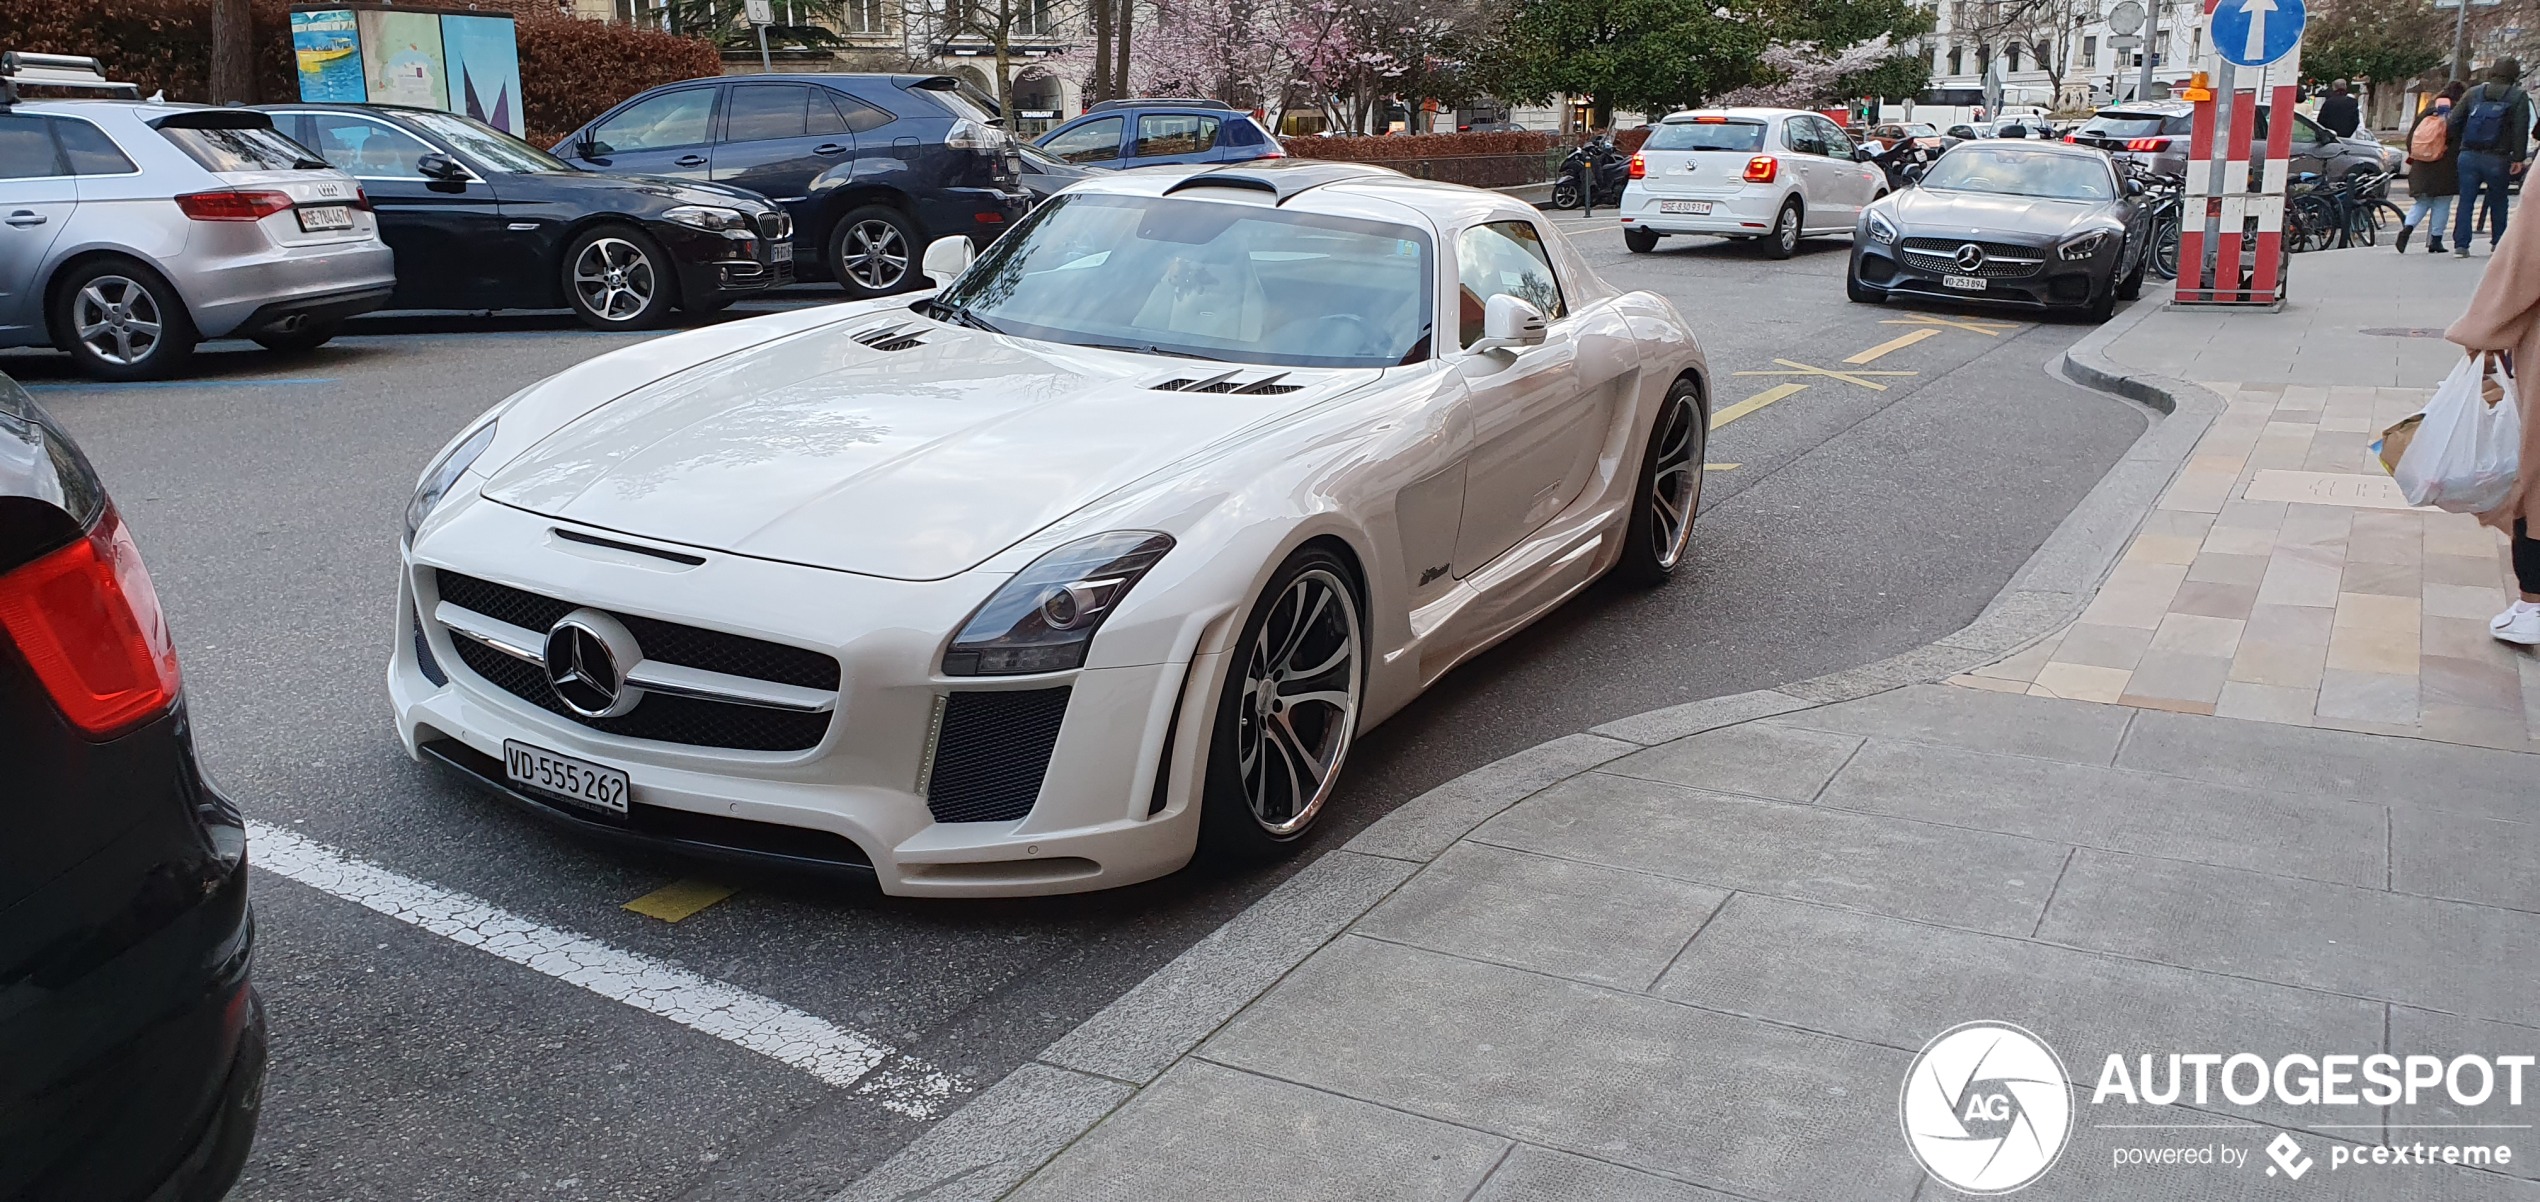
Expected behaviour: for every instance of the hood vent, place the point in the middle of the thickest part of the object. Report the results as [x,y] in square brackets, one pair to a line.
[1229,382]
[890,338]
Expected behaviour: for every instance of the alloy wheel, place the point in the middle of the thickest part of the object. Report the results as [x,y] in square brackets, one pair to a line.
[1786,230]
[1675,481]
[614,279]
[117,319]
[876,255]
[1299,705]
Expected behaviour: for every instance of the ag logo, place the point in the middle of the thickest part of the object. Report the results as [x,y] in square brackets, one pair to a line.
[1986,1108]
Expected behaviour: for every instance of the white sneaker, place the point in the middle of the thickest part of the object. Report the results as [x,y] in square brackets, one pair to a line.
[2521,626]
[2513,611]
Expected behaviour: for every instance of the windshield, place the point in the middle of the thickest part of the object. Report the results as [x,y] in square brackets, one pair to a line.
[1206,279]
[2049,175]
[1745,137]
[2124,125]
[490,147]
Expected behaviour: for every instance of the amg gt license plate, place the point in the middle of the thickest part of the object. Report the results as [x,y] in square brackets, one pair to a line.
[782,252]
[326,217]
[1965,283]
[1696,208]
[578,781]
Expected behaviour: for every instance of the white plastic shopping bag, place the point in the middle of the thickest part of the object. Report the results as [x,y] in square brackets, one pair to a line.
[2466,448]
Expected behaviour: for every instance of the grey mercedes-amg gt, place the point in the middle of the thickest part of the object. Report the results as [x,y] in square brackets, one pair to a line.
[2039,224]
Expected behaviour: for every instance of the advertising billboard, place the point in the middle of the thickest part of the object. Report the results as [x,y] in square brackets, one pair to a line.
[329,51]
[484,69]
[401,58]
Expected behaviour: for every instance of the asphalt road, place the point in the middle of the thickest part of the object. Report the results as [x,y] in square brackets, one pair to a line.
[1857,522]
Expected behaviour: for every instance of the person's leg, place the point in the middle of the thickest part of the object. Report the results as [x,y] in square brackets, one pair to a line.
[2468,207]
[2442,217]
[2408,224]
[2520,623]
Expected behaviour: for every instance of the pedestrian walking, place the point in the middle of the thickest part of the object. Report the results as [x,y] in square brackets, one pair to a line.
[2433,170]
[2505,316]
[2491,124]
[2339,114]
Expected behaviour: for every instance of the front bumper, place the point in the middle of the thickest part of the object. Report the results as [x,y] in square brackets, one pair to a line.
[854,802]
[722,265]
[1746,212]
[2054,283]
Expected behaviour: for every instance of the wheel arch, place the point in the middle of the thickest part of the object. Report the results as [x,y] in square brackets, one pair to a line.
[58,278]
[582,228]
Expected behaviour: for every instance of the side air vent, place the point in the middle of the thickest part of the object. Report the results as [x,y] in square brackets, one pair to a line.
[1231,382]
[991,752]
[891,338]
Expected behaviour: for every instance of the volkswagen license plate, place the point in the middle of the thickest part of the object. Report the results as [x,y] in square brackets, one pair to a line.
[578,781]
[1965,283]
[325,217]
[1696,208]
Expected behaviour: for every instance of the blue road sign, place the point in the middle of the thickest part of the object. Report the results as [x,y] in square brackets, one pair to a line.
[2254,33]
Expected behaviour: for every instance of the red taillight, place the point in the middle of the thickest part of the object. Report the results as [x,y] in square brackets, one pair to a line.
[234,204]
[1763,169]
[1274,152]
[88,622]
[361,199]
[1640,167]
[987,218]
[1710,120]
[2072,138]
[2146,145]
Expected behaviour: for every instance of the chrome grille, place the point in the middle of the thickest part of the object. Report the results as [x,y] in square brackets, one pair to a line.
[2002,260]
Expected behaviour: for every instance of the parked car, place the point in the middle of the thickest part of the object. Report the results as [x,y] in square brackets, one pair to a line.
[2156,132]
[1774,174]
[870,167]
[131,231]
[133,1038]
[1104,553]
[1045,173]
[2037,224]
[1147,132]
[482,220]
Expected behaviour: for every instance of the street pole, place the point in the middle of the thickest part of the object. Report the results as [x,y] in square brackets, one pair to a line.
[761,14]
[2151,50]
[2460,43]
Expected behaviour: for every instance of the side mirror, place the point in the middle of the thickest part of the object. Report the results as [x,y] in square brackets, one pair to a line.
[439,166]
[588,147]
[947,257]
[2134,187]
[1510,324]
[1863,154]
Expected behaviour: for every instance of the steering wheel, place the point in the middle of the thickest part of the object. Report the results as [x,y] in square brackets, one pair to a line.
[1332,328]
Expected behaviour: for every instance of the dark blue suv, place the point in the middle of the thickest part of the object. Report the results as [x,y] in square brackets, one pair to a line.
[1145,132]
[871,167]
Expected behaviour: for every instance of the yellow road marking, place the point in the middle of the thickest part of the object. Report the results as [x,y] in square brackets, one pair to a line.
[1753,403]
[1898,343]
[679,899]
[1990,329]
[1848,377]
[1721,467]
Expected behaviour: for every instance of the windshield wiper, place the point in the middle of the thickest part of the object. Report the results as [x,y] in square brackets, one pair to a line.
[961,315]
[1152,349]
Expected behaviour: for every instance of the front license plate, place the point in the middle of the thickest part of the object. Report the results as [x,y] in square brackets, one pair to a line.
[328,217]
[1965,283]
[1695,208]
[782,252]
[578,781]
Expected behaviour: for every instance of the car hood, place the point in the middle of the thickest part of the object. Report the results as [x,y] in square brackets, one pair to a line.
[668,190]
[1932,212]
[913,464]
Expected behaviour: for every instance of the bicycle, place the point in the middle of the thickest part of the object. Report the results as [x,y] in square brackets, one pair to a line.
[2165,196]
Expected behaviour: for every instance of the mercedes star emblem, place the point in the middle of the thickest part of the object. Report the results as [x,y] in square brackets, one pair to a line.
[588,654]
[1970,257]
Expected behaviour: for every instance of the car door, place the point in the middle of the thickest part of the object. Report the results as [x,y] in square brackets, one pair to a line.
[1804,156]
[666,133]
[1536,427]
[442,231]
[1850,180]
[777,138]
[1091,141]
[1173,137]
[37,195]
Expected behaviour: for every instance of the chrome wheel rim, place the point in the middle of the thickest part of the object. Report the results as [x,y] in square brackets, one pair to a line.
[1787,232]
[875,255]
[117,319]
[1675,481]
[1299,706]
[614,279]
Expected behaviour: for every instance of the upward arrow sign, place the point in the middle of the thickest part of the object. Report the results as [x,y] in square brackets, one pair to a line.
[2256,11]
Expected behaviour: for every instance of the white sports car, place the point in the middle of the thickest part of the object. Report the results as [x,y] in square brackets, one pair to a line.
[1098,555]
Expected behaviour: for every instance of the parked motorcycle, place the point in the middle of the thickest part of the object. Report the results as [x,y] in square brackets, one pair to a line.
[1594,159]
[1905,162]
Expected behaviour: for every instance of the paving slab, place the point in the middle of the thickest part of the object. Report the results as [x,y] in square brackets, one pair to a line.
[1607,926]
[2426,1033]
[2065,730]
[1532,1174]
[2482,860]
[1780,762]
[2390,770]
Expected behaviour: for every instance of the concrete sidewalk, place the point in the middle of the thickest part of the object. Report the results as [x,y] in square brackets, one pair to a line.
[1691,954]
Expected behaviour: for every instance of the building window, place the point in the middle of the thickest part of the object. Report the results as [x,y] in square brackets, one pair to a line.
[866,16]
[1957,60]
[2090,51]
[1034,19]
[1984,59]
[2011,58]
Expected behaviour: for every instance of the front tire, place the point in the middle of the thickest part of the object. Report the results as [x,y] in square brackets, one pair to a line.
[1783,242]
[1860,293]
[617,278]
[122,322]
[1669,495]
[1640,242]
[2103,306]
[2131,287]
[873,252]
[1287,713]
[1565,194]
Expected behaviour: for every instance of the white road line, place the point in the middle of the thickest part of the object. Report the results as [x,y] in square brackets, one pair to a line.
[771,1028]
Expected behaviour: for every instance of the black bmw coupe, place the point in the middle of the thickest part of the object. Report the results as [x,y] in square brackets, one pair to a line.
[2037,224]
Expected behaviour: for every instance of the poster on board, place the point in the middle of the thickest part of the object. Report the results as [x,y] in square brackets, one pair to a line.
[484,70]
[330,57]
[401,58]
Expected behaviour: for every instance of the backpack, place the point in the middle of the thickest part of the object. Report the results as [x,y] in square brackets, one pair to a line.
[2426,144]
[2485,129]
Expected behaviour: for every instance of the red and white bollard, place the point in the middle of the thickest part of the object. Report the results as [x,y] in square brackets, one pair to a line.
[2222,213]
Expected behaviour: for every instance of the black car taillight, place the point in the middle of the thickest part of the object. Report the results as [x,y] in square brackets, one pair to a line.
[88,622]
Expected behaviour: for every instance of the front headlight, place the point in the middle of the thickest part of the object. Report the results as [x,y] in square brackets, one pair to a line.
[1881,229]
[2083,247]
[708,217]
[1044,617]
[443,473]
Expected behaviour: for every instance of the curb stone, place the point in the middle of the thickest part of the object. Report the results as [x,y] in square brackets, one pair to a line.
[1025,1120]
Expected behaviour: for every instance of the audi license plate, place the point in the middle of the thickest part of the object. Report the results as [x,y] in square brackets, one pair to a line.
[782,252]
[578,781]
[1965,283]
[325,217]
[1695,208]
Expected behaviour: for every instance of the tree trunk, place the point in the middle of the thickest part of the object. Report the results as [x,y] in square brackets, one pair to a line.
[233,69]
[1099,87]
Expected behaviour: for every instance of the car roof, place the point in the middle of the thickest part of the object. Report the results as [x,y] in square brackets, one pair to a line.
[1682,116]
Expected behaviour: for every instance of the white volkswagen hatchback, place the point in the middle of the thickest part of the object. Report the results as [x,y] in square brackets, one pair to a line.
[1102,553]
[1775,174]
